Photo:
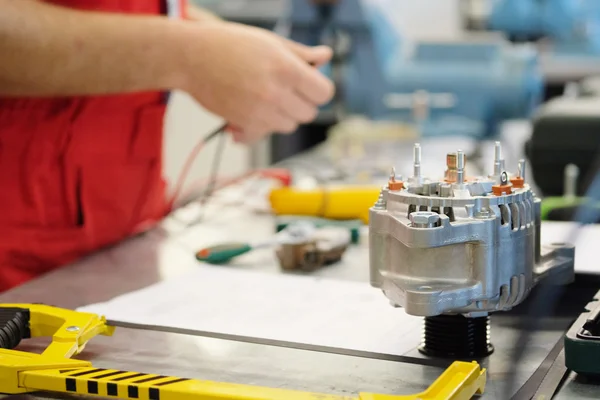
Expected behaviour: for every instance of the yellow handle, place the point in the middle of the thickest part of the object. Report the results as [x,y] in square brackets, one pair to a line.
[53,371]
[461,381]
[70,330]
[342,203]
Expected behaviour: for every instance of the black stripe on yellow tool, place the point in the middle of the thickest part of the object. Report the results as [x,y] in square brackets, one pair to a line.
[54,371]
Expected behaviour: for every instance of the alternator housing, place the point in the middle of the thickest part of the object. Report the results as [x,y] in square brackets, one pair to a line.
[460,245]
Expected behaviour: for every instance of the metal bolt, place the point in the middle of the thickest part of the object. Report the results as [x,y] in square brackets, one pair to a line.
[460,167]
[522,167]
[497,151]
[417,160]
[424,219]
[497,158]
[483,214]
[504,178]
[460,159]
[381,203]
[73,329]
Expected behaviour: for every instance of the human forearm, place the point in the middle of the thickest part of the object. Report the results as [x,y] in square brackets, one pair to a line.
[47,50]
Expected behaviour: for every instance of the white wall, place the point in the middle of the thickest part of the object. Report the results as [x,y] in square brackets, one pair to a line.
[424,18]
[186,124]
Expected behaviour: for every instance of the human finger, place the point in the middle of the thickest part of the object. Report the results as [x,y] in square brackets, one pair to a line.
[270,121]
[281,123]
[314,55]
[252,132]
[238,136]
[298,108]
[264,124]
[234,129]
[312,85]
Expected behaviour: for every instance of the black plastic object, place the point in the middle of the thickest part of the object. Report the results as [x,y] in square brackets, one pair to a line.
[582,342]
[14,326]
[457,337]
[565,131]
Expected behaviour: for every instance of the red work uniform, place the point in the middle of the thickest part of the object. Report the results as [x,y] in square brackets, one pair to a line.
[78,173]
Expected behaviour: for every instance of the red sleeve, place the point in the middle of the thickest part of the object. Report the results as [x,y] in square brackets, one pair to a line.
[183,4]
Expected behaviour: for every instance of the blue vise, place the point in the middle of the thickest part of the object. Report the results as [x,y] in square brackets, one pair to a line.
[444,87]
[573,26]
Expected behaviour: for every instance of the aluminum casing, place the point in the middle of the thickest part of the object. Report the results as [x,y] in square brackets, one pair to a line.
[483,254]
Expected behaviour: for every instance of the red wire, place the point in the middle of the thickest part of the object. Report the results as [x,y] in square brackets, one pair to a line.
[184,173]
[274,173]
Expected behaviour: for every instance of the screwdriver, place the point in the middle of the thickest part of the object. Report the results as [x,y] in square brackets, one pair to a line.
[222,253]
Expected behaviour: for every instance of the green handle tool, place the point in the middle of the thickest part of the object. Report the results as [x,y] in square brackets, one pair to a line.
[222,253]
[290,228]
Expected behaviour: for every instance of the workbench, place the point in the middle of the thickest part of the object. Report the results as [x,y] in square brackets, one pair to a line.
[167,252]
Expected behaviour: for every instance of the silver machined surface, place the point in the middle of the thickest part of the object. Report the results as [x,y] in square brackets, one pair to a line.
[464,247]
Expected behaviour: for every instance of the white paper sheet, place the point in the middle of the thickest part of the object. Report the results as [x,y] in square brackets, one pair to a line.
[586,244]
[294,308]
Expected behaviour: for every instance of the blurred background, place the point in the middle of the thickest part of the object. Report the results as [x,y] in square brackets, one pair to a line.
[445,73]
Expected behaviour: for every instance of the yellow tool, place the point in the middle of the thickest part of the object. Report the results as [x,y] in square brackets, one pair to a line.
[332,202]
[54,371]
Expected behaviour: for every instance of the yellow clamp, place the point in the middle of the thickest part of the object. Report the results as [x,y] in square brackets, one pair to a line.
[331,202]
[70,331]
[54,371]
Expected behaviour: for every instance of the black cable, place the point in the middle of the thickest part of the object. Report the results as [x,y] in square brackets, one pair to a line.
[214,174]
[219,131]
[188,165]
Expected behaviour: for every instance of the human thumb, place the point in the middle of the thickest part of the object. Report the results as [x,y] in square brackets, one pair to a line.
[317,55]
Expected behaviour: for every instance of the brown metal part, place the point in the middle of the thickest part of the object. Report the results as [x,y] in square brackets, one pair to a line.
[307,256]
[451,174]
[451,161]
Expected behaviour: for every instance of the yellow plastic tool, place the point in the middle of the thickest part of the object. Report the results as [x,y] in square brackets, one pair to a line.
[54,371]
[332,202]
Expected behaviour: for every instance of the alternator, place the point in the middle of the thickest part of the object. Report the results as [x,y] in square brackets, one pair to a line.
[459,244]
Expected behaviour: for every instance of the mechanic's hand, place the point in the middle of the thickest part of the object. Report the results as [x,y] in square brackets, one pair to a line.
[259,82]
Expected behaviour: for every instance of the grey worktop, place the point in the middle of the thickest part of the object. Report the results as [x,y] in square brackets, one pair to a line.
[165,253]
[138,263]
